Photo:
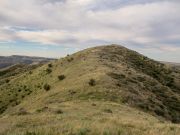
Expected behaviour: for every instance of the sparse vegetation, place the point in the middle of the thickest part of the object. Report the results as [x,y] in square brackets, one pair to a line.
[47,87]
[140,103]
[50,65]
[61,77]
[7,80]
[92,82]
[59,111]
[48,70]
[70,59]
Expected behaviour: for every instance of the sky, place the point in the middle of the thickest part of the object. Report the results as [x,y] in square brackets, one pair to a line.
[55,28]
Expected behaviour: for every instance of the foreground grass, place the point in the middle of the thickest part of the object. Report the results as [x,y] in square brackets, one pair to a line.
[85,118]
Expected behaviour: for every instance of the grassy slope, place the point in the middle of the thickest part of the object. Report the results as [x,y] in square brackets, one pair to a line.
[71,106]
[6,74]
[86,117]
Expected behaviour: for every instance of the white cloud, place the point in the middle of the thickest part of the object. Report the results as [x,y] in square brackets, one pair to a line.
[47,37]
[80,23]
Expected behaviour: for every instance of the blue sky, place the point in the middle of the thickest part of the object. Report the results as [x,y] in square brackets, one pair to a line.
[55,28]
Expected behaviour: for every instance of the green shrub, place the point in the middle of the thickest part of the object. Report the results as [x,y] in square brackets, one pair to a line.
[70,59]
[59,111]
[29,92]
[175,119]
[24,86]
[159,112]
[92,82]
[19,90]
[7,80]
[48,70]
[47,87]
[11,100]
[50,65]
[169,81]
[61,77]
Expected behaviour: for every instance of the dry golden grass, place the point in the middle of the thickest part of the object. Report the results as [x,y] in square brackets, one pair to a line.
[86,118]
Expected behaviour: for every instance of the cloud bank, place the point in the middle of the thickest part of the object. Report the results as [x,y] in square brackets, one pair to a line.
[143,25]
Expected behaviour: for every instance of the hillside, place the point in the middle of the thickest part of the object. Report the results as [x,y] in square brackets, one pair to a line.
[108,90]
[7,74]
[6,61]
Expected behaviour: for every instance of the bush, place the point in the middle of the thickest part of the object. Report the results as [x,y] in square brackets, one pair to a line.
[47,87]
[61,77]
[159,112]
[70,59]
[50,65]
[19,90]
[59,111]
[7,80]
[48,70]
[92,82]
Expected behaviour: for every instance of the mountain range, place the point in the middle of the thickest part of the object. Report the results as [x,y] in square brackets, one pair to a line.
[6,61]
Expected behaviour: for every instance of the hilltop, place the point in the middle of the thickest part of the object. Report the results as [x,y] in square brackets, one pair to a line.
[102,90]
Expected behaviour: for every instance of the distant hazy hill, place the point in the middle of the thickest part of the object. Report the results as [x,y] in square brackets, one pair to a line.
[6,61]
[107,90]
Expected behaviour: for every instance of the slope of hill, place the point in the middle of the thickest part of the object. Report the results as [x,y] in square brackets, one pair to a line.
[102,90]
[6,61]
[7,74]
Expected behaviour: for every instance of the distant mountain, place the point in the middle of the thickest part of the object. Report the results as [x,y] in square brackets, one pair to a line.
[106,90]
[6,61]
[170,63]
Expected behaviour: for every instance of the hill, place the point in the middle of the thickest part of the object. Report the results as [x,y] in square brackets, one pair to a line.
[7,74]
[6,61]
[108,90]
